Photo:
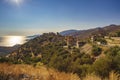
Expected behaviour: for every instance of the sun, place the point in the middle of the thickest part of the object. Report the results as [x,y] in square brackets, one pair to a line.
[15,2]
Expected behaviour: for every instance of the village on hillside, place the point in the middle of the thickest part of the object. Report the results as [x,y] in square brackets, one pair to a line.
[88,45]
[94,39]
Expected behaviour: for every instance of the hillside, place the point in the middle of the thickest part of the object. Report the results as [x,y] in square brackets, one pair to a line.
[37,46]
[7,50]
[50,49]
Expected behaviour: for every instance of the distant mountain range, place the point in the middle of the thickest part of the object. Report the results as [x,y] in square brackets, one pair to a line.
[86,33]
[68,32]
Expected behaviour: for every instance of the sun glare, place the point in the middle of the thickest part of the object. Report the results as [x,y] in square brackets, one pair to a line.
[13,40]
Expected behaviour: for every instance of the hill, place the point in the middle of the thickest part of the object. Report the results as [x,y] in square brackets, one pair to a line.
[6,50]
[50,49]
[37,46]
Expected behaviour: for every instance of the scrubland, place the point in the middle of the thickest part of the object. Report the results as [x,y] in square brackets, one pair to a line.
[29,72]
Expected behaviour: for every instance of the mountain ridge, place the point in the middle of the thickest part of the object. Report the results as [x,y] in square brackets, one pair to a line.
[89,32]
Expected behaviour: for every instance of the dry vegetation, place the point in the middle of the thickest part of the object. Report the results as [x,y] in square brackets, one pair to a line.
[27,72]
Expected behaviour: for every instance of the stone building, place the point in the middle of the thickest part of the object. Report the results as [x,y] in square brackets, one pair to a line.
[70,40]
[73,42]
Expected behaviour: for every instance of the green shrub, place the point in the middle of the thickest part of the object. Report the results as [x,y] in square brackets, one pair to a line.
[101,67]
[96,51]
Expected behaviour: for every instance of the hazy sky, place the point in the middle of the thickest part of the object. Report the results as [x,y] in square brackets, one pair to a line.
[28,17]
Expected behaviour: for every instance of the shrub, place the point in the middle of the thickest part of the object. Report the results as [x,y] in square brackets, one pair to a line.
[114,54]
[96,51]
[101,67]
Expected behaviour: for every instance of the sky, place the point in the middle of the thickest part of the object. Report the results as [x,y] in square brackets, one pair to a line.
[29,17]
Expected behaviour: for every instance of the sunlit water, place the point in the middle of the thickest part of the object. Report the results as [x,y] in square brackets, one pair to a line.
[12,40]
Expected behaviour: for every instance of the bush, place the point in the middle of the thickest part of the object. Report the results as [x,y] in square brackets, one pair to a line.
[114,54]
[101,67]
[109,63]
[102,40]
[96,51]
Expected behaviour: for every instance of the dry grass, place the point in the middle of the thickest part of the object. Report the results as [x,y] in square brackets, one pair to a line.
[114,76]
[27,72]
[92,77]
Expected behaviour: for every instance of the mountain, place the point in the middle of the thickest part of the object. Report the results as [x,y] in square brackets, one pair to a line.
[83,34]
[67,32]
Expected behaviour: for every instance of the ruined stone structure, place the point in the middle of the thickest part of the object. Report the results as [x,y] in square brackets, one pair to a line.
[73,42]
[70,40]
